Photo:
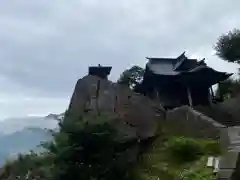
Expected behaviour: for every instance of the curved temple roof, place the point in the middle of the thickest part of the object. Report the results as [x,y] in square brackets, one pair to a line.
[190,69]
[205,74]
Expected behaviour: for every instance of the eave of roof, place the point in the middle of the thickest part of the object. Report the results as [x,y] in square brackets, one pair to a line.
[199,70]
[161,59]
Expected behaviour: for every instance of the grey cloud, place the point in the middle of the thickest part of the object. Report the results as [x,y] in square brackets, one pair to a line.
[47,45]
[17,105]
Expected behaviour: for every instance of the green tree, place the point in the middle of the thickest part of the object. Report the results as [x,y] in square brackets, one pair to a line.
[88,151]
[132,76]
[228,46]
[228,89]
[228,49]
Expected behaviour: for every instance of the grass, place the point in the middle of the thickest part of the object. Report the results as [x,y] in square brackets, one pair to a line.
[178,157]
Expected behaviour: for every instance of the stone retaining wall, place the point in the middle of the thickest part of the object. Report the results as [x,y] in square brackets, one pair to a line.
[188,122]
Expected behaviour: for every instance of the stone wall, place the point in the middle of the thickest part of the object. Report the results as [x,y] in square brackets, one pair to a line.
[187,122]
[219,114]
[231,106]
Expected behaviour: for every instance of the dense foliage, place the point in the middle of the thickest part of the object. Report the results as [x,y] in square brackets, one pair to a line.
[228,46]
[228,89]
[88,151]
[131,77]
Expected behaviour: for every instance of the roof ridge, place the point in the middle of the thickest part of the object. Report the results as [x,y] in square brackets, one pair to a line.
[180,60]
[156,58]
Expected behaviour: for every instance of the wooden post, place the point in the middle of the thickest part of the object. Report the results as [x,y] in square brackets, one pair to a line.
[211,95]
[220,92]
[157,94]
[211,90]
[189,96]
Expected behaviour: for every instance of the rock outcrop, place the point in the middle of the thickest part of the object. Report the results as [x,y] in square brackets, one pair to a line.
[100,95]
[137,117]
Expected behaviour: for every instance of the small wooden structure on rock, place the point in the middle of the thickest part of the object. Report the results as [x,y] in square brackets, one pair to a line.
[99,71]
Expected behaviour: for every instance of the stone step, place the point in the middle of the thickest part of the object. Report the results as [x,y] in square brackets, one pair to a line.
[227,164]
[228,160]
[224,174]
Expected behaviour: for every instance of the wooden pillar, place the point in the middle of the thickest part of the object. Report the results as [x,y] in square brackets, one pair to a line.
[157,94]
[211,90]
[211,95]
[220,93]
[189,96]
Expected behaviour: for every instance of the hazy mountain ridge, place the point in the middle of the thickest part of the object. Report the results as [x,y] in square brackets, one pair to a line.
[20,135]
[11,125]
[55,116]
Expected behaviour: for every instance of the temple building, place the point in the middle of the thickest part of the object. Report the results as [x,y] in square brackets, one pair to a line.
[99,71]
[180,81]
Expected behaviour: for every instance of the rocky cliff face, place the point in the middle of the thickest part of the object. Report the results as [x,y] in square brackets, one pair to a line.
[138,112]
[135,110]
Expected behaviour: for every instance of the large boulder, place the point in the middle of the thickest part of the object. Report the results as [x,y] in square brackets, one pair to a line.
[137,111]
[133,116]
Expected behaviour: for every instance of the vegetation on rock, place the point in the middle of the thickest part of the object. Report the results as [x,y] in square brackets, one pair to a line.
[92,150]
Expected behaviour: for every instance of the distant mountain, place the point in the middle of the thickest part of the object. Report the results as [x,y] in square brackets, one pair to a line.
[12,125]
[55,116]
[20,135]
[22,142]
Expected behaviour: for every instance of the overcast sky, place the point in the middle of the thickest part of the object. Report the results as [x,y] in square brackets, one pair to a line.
[46,45]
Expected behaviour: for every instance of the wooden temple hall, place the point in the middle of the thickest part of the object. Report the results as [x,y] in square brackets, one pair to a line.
[180,81]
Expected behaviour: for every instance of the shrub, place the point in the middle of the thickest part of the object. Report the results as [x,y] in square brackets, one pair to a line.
[184,149]
[88,151]
[211,147]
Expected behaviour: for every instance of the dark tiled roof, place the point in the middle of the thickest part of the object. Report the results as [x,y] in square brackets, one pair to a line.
[189,69]
[168,66]
[171,66]
[181,63]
